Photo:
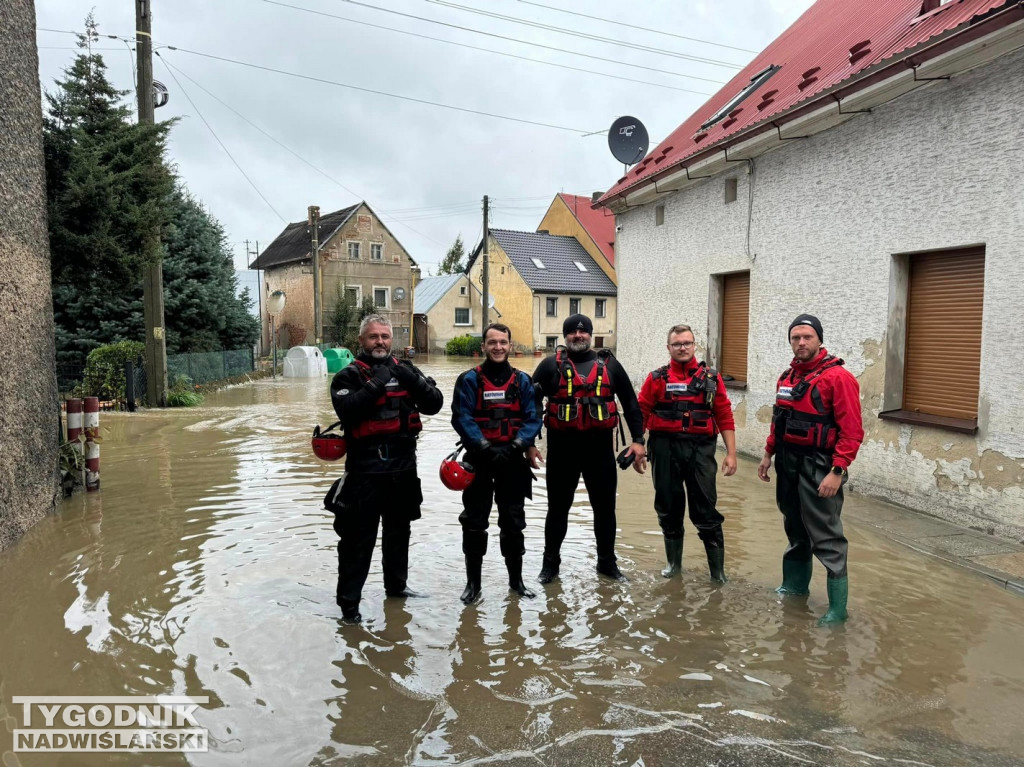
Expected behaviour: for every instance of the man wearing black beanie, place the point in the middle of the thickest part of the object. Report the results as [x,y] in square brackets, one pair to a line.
[581,416]
[815,435]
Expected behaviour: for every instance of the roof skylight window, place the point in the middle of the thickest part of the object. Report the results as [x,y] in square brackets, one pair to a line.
[580,266]
[537,262]
[755,82]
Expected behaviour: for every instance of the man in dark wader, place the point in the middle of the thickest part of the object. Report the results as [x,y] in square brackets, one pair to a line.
[685,407]
[379,401]
[815,435]
[581,417]
[494,411]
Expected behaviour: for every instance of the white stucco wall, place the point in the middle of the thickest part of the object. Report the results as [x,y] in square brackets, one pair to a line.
[938,168]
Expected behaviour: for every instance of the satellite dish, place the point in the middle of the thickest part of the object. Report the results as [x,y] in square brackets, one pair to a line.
[399,294]
[490,302]
[160,94]
[628,140]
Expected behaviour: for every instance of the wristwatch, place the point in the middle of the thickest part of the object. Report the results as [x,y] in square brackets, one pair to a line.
[838,470]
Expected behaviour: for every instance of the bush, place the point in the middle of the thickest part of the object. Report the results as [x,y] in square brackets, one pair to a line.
[182,393]
[463,345]
[104,369]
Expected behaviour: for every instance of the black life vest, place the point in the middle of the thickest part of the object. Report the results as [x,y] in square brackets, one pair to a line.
[684,402]
[394,411]
[800,417]
[498,411]
[582,403]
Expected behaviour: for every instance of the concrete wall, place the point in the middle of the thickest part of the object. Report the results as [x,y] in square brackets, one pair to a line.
[29,415]
[560,220]
[441,317]
[512,296]
[545,326]
[938,168]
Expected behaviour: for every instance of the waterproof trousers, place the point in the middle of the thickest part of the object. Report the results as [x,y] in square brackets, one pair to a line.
[366,502]
[684,470]
[572,454]
[507,484]
[813,525]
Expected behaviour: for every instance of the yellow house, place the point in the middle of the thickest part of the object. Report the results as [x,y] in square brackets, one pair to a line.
[575,216]
[538,279]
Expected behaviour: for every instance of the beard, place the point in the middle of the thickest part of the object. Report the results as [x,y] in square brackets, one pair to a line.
[379,352]
[578,346]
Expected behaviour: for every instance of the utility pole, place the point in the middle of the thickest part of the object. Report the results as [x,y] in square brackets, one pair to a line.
[153,272]
[314,233]
[259,287]
[486,297]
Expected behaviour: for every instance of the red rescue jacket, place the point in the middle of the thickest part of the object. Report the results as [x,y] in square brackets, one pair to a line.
[394,413]
[686,399]
[582,403]
[498,410]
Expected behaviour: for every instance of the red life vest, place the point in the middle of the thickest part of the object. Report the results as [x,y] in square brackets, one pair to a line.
[498,411]
[394,411]
[582,403]
[800,417]
[684,402]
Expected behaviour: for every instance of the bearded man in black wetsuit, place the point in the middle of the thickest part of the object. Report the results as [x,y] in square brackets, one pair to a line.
[581,417]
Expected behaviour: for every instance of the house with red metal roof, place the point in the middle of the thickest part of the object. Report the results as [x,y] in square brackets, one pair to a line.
[865,167]
[571,215]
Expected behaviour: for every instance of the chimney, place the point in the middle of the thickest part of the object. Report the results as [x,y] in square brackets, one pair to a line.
[543,231]
[595,197]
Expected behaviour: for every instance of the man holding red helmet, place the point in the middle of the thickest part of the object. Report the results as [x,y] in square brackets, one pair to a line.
[494,411]
[378,400]
[815,435]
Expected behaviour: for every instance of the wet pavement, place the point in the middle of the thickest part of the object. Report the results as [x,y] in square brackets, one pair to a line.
[206,566]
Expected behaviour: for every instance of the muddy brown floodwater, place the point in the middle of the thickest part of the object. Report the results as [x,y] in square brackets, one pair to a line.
[206,566]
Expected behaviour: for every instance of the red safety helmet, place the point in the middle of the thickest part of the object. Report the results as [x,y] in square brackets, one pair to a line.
[456,474]
[327,446]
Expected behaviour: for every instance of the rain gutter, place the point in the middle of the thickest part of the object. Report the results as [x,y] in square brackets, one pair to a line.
[965,48]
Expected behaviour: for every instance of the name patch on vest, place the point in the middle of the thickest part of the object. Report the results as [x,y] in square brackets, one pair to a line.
[676,388]
[392,384]
[785,392]
[493,395]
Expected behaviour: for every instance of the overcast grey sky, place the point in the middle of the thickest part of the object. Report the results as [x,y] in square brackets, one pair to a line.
[423,168]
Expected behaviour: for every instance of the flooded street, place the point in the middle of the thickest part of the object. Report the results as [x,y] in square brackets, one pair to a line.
[206,566]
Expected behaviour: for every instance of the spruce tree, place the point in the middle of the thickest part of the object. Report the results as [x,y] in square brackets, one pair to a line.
[452,263]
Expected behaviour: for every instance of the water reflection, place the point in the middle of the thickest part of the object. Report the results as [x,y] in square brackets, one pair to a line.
[206,566]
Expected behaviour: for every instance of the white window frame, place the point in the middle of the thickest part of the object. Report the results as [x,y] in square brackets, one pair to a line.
[348,250]
[546,312]
[463,290]
[600,308]
[387,296]
[468,323]
[579,304]
[359,292]
[380,249]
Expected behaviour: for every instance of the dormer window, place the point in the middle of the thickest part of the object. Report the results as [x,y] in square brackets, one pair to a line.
[755,82]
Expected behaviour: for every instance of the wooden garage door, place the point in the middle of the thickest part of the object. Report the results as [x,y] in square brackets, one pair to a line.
[735,324]
[943,356]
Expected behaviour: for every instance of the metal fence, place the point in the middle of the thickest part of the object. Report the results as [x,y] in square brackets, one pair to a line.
[210,366]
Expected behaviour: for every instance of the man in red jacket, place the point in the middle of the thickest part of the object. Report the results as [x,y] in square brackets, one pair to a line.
[685,407]
[816,433]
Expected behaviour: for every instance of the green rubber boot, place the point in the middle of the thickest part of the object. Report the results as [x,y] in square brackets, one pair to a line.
[838,591]
[796,577]
[674,555]
[716,564]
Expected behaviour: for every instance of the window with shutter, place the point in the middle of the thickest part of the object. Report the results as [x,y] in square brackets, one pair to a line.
[735,325]
[942,365]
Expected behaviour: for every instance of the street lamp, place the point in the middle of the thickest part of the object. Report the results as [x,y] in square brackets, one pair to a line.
[275,305]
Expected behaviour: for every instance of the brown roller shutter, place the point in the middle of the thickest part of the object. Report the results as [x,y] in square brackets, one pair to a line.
[735,325]
[943,358]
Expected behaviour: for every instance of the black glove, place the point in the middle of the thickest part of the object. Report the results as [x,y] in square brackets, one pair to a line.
[407,376]
[624,460]
[382,374]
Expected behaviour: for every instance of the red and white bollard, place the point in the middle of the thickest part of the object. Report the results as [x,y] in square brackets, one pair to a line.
[91,423]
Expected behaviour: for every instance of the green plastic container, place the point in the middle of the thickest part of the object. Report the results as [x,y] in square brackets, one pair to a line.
[337,359]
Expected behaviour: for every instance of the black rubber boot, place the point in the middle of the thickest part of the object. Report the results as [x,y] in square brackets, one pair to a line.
[674,556]
[609,569]
[514,564]
[350,611]
[716,562]
[549,569]
[474,546]
[406,593]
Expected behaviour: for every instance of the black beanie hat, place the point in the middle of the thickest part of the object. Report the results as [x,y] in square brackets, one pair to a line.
[807,319]
[577,322]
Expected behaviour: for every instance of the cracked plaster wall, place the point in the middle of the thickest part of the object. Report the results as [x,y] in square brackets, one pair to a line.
[938,168]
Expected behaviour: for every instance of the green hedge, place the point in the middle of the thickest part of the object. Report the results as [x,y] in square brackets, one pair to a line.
[104,369]
[463,345]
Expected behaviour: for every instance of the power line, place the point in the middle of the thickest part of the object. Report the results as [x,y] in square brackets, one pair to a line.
[222,145]
[484,50]
[527,42]
[376,92]
[288,149]
[634,26]
[585,35]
